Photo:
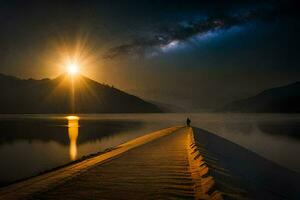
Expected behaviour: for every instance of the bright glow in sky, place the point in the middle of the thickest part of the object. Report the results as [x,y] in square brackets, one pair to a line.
[73,68]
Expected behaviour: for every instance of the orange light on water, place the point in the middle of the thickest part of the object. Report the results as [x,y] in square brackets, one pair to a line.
[73,127]
[72,117]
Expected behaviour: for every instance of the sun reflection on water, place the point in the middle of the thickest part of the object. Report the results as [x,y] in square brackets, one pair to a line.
[73,134]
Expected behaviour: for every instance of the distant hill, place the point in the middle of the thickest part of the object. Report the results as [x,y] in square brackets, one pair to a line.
[168,108]
[57,96]
[285,99]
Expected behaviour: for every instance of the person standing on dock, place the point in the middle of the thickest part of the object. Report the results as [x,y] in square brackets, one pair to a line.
[188,122]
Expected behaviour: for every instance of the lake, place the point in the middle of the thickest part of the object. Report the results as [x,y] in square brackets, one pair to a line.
[30,144]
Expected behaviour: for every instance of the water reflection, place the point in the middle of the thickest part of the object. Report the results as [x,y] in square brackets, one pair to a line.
[44,144]
[48,142]
[73,134]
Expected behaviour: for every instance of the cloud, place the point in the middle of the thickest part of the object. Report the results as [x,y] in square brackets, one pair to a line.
[167,34]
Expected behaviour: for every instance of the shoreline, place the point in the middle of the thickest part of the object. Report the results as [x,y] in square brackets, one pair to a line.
[71,169]
[218,167]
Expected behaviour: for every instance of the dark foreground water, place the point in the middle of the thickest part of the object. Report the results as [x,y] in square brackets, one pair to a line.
[30,144]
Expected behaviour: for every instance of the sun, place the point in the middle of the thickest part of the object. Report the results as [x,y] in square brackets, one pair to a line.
[73,68]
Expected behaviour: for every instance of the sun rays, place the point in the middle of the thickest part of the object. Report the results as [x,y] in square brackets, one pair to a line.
[72,58]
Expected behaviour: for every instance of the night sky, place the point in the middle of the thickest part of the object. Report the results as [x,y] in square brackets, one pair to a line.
[193,54]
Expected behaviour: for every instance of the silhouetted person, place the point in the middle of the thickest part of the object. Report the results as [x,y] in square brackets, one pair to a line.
[188,122]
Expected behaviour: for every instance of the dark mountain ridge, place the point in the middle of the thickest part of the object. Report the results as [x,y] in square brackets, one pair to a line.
[66,94]
[285,99]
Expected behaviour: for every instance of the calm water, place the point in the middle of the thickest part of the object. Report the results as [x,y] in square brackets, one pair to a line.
[30,144]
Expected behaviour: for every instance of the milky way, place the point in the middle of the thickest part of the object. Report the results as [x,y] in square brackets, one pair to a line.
[170,35]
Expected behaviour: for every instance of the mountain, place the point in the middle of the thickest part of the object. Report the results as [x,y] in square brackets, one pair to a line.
[168,108]
[65,94]
[285,99]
